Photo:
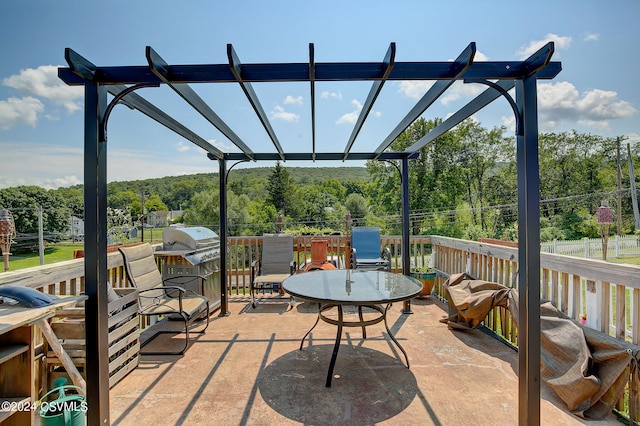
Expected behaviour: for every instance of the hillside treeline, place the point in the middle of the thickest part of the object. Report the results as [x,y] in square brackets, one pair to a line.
[464,184]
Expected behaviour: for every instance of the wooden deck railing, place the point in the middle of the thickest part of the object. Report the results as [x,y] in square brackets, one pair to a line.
[608,293]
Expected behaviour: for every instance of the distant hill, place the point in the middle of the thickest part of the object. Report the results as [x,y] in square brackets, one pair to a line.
[178,190]
[299,174]
[306,174]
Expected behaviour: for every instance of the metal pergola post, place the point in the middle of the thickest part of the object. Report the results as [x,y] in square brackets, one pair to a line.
[95,260]
[528,254]
[224,302]
[406,246]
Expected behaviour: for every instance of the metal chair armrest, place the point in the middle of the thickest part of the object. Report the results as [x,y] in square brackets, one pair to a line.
[173,279]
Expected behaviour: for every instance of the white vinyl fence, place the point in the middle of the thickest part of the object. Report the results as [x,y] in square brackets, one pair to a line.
[592,247]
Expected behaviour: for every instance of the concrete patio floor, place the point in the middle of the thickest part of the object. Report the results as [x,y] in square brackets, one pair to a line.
[247,369]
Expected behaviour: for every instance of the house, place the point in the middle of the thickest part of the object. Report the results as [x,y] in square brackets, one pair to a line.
[163,219]
[77,226]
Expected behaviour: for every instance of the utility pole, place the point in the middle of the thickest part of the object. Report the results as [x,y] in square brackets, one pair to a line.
[142,219]
[632,185]
[619,187]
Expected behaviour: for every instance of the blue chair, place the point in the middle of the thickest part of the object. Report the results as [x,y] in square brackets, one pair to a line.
[365,249]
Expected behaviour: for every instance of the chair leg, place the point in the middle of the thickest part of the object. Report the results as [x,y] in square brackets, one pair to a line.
[206,313]
[187,342]
[253,296]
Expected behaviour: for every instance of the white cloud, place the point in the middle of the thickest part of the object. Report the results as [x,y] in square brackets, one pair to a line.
[415,89]
[480,57]
[633,139]
[509,121]
[561,101]
[279,113]
[182,146]
[291,100]
[44,83]
[351,117]
[334,95]
[561,43]
[591,37]
[459,90]
[29,163]
[15,111]
[222,146]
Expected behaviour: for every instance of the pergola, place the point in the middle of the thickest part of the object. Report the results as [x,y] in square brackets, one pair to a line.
[122,81]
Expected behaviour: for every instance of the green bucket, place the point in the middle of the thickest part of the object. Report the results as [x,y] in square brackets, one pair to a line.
[66,410]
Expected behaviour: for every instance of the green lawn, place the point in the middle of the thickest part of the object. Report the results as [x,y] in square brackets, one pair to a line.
[628,260]
[64,251]
[52,254]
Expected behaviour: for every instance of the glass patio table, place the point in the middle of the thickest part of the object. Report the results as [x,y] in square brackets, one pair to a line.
[376,290]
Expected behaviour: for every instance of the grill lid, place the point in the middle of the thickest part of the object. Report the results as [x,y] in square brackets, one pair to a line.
[188,238]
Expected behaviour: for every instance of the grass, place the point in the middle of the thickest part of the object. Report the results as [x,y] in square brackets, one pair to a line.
[52,254]
[630,260]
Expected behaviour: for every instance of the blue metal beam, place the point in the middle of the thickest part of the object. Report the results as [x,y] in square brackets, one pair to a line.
[537,61]
[79,65]
[237,69]
[320,156]
[459,66]
[312,82]
[136,101]
[299,72]
[387,63]
[163,70]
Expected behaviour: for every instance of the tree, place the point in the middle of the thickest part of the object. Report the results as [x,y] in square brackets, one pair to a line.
[358,207]
[313,204]
[122,199]
[205,211]
[73,198]
[434,182]
[282,191]
[482,150]
[24,203]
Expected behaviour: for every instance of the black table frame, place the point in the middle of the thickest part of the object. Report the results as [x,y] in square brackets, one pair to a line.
[340,323]
[381,306]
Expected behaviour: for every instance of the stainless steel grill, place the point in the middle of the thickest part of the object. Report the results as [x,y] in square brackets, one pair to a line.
[190,252]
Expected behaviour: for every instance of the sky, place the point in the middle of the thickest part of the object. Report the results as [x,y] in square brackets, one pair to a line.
[41,118]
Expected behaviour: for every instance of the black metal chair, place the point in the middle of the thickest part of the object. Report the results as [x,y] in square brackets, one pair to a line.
[158,298]
[276,265]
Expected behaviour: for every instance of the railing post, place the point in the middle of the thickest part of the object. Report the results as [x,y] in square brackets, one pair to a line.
[586,247]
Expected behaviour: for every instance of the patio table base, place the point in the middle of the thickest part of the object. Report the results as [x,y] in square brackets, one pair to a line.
[361,322]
